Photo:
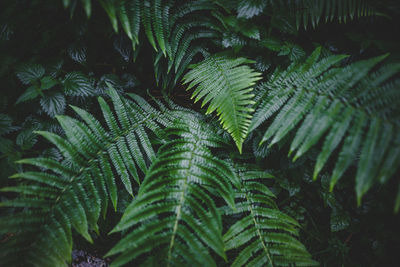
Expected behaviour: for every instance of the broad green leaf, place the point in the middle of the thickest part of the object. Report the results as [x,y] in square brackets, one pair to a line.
[53,104]
[29,73]
[31,93]
[77,84]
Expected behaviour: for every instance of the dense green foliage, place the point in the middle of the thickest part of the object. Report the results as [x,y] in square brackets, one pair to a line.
[105,148]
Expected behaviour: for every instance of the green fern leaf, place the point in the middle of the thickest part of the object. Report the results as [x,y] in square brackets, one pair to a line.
[174,211]
[73,192]
[147,18]
[111,7]
[335,104]
[129,16]
[264,235]
[175,30]
[87,5]
[226,85]
[181,31]
[314,12]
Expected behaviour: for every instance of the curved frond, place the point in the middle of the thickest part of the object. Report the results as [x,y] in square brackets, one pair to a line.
[72,193]
[174,212]
[315,12]
[226,85]
[340,106]
[175,30]
[129,17]
[264,236]
[182,36]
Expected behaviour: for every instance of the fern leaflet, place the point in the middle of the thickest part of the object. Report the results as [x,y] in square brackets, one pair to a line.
[225,84]
[73,192]
[264,236]
[174,212]
[336,104]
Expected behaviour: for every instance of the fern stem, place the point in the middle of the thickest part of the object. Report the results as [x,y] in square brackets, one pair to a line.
[101,151]
[222,73]
[179,210]
[258,230]
[82,169]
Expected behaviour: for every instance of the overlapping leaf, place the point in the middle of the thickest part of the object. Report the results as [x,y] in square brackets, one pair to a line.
[341,107]
[263,236]
[174,29]
[174,214]
[315,12]
[73,192]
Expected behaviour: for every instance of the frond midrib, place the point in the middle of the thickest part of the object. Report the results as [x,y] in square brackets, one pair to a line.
[105,147]
[90,163]
[220,70]
[342,100]
[253,216]
[179,209]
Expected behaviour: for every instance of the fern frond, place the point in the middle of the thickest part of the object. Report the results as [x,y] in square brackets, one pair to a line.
[174,212]
[264,236]
[183,34]
[186,25]
[225,84]
[129,17]
[336,104]
[175,30]
[111,8]
[73,192]
[87,6]
[314,12]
